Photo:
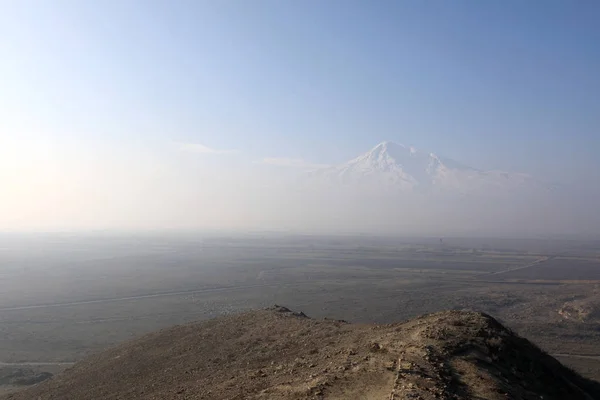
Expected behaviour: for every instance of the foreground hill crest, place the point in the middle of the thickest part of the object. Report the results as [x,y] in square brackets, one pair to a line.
[278,354]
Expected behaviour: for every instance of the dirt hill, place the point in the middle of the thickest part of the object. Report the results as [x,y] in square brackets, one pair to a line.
[278,354]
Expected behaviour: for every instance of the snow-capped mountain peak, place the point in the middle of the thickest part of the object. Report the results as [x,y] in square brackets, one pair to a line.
[393,165]
[391,150]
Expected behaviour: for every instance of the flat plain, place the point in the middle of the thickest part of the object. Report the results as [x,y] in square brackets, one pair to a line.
[63,297]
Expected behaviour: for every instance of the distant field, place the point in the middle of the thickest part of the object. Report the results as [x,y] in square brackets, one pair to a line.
[559,269]
[62,299]
[376,263]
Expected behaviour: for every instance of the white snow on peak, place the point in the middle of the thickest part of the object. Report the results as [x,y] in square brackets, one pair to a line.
[390,164]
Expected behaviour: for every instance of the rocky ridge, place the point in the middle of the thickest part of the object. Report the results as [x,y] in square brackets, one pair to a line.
[278,354]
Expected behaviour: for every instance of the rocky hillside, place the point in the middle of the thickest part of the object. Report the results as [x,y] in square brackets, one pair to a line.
[278,354]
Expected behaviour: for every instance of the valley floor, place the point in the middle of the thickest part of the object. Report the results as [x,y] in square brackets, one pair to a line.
[64,305]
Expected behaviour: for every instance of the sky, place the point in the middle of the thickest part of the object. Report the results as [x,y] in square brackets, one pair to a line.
[135,99]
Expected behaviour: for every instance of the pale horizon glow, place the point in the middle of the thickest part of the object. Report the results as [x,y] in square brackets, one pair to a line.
[291,162]
[202,149]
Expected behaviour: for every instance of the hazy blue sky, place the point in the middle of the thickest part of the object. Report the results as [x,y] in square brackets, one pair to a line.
[510,85]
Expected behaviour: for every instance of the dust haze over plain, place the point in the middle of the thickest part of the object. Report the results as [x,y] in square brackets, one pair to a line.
[175,188]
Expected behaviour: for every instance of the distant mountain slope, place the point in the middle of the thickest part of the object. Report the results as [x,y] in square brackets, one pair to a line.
[411,170]
[277,354]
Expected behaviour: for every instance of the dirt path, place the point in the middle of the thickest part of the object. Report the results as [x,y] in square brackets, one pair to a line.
[34,364]
[583,356]
[532,264]
[143,296]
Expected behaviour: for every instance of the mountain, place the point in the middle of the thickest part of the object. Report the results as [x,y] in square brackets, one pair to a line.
[392,165]
[278,354]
